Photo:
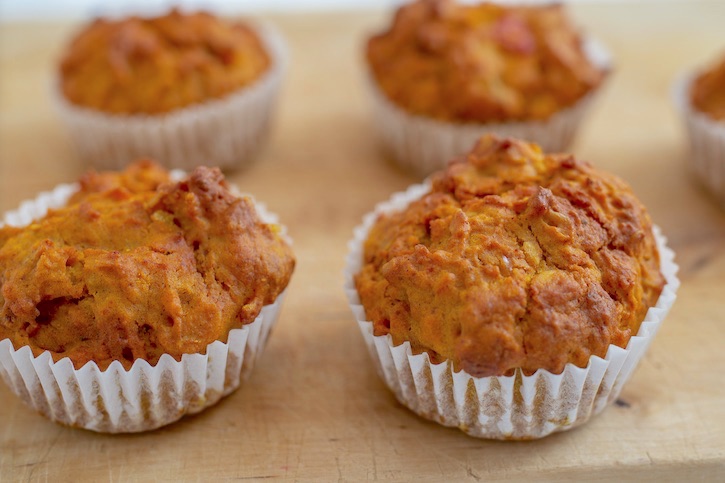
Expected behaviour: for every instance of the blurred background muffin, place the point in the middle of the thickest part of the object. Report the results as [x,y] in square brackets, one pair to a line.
[445,72]
[160,291]
[512,265]
[180,87]
[700,98]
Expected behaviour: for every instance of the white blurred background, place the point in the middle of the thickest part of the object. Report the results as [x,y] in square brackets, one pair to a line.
[12,10]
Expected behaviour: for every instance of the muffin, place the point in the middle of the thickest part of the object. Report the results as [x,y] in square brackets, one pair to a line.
[700,98]
[163,291]
[444,73]
[513,294]
[179,88]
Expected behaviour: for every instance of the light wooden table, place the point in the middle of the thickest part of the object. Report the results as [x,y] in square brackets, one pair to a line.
[314,410]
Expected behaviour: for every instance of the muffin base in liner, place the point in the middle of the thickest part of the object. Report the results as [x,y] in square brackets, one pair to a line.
[707,140]
[423,144]
[145,397]
[224,132]
[504,407]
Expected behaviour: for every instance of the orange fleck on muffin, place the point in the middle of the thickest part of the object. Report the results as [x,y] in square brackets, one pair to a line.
[155,65]
[707,91]
[514,259]
[483,62]
[136,266]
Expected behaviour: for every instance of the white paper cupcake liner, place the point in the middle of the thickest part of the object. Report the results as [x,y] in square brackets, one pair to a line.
[423,145]
[145,397]
[223,132]
[504,407]
[706,138]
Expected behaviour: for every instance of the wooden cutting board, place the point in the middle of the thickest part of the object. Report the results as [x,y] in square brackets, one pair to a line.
[314,409]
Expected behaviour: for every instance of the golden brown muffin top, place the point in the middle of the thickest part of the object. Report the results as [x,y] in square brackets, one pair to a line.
[481,63]
[515,259]
[136,266]
[155,65]
[708,91]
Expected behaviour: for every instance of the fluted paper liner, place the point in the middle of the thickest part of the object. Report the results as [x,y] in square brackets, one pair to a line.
[423,144]
[145,397]
[504,407]
[223,132]
[706,137]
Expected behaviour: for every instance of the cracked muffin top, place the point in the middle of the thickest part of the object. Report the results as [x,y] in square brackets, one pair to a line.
[155,65]
[481,63]
[707,91]
[514,259]
[136,266]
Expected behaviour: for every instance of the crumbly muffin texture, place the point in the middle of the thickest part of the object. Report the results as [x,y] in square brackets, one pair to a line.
[514,259]
[136,266]
[155,65]
[707,91]
[481,63]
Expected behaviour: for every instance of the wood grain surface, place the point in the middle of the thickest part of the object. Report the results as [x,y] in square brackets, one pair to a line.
[314,409]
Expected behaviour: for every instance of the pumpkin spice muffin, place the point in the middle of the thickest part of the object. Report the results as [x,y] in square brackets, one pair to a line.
[155,65]
[136,273]
[155,81]
[700,98]
[448,72]
[510,265]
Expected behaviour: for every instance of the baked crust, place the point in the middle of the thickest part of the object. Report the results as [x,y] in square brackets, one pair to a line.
[481,63]
[707,92]
[136,266]
[514,259]
[155,65]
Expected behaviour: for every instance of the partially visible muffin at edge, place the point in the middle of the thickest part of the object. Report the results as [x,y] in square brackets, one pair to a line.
[515,259]
[699,95]
[136,266]
[707,92]
[154,65]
